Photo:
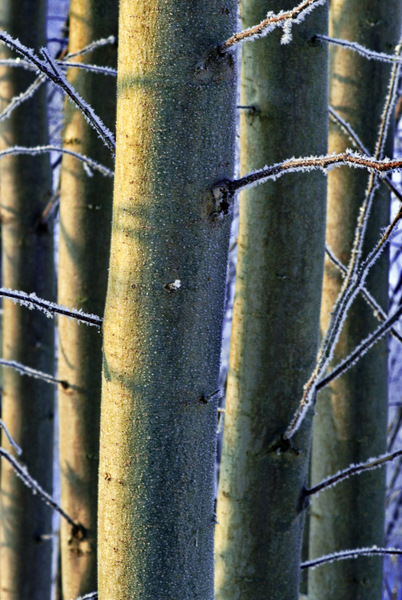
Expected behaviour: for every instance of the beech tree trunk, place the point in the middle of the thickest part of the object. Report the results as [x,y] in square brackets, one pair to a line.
[275,316]
[85,217]
[164,309]
[27,263]
[350,425]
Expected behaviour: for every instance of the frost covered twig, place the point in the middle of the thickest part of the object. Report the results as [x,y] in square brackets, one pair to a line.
[378,311]
[18,100]
[13,364]
[370,54]
[10,438]
[360,350]
[92,164]
[331,337]
[110,40]
[360,146]
[283,19]
[372,463]
[344,554]
[89,163]
[30,482]
[93,119]
[348,129]
[50,308]
[88,67]
[310,163]
[49,67]
[356,273]
[63,63]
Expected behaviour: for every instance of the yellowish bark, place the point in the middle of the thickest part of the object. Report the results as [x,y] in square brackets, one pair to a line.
[85,216]
[27,264]
[162,328]
[351,414]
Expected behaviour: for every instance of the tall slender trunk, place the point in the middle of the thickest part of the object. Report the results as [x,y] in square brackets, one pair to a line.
[275,317]
[27,261]
[350,424]
[164,308]
[85,216]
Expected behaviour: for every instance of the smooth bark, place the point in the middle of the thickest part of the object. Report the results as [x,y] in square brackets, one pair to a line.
[162,328]
[27,262]
[351,420]
[85,217]
[276,314]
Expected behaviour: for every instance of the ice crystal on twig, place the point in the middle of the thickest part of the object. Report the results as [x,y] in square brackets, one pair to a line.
[24,370]
[30,482]
[50,309]
[344,554]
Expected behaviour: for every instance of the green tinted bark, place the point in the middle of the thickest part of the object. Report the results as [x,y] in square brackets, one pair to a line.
[162,328]
[350,424]
[27,262]
[276,314]
[85,217]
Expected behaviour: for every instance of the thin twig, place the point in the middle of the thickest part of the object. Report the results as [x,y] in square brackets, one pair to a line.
[372,463]
[24,370]
[360,350]
[294,16]
[88,67]
[360,146]
[30,482]
[60,79]
[357,272]
[50,308]
[369,54]
[10,438]
[344,554]
[18,100]
[50,207]
[378,311]
[49,67]
[92,164]
[111,40]
[310,163]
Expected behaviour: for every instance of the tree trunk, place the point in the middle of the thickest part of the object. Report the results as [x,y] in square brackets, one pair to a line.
[162,328]
[351,420]
[275,317]
[85,216]
[27,261]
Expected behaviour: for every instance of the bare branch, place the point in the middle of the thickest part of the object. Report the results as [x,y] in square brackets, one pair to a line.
[305,164]
[50,308]
[283,19]
[378,311]
[30,482]
[360,146]
[10,438]
[360,350]
[88,67]
[344,554]
[92,46]
[369,54]
[24,370]
[50,68]
[93,119]
[357,272]
[92,164]
[372,463]
[18,100]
